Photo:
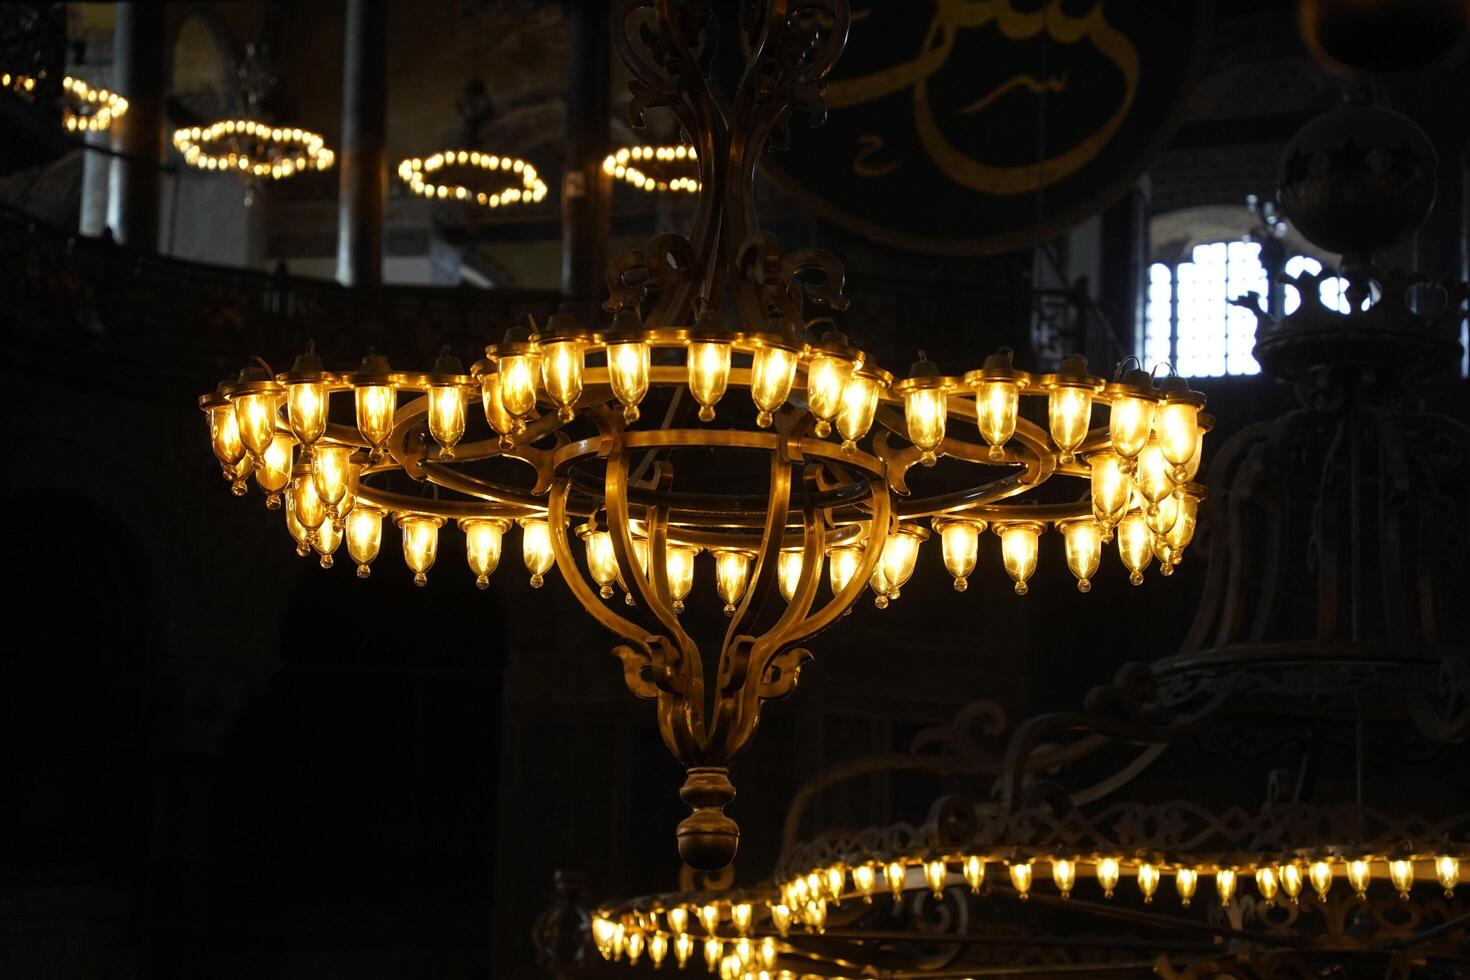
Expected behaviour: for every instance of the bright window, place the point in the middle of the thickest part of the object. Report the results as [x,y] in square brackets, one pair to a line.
[1190,321]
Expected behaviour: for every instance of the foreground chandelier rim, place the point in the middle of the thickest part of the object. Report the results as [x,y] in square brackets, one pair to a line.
[526,185]
[280,151]
[560,406]
[764,933]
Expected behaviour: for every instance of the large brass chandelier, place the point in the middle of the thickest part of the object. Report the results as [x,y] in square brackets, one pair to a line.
[800,460]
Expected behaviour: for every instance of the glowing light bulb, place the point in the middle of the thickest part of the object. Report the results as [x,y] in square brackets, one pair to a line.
[679,564]
[1447,870]
[299,534]
[1185,520]
[788,573]
[714,951]
[960,542]
[1225,884]
[683,947]
[1290,877]
[375,406]
[974,871]
[518,383]
[826,379]
[306,411]
[859,405]
[767,952]
[935,873]
[780,917]
[1107,875]
[602,560]
[709,374]
[996,404]
[816,914]
[500,420]
[895,874]
[536,549]
[273,472]
[1064,875]
[255,420]
[627,369]
[619,940]
[1021,879]
[1320,875]
[732,571]
[864,879]
[900,554]
[678,918]
[1163,516]
[1177,431]
[771,375]
[331,472]
[364,537]
[1018,550]
[307,503]
[842,565]
[926,410]
[482,540]
[709,917]
[1267,885]
[740,914]
[1135,545]
[1129,424]
[1110,488]
[1068,416]
[1186,882]
[1083,541]
[835,883]
[224,434]
[1401,874]
[1151,474]
[602,935]
[1358,875]
[658,948]
[420,544]
[446,417]
[561,374]
[1148,881]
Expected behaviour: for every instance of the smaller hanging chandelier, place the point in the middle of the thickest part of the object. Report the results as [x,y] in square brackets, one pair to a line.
[84,109]
[486,179]
[655,168]
[253,150]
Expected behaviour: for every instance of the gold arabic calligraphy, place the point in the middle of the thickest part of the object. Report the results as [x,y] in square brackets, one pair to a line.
[952,16]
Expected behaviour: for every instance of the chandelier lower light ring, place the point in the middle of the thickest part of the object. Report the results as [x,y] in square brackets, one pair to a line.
[1036,457]
[526,185]
[253,149]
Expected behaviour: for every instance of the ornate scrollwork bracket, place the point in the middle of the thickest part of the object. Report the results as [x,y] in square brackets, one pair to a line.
[669,47]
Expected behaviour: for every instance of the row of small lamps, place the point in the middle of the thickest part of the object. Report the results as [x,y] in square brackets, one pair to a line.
[729,927]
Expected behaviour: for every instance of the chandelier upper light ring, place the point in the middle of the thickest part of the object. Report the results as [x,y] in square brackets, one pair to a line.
[526,186]
[254,149]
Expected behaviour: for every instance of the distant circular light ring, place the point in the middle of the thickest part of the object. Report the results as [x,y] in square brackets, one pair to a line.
[631,163]
[253,149]
[84,110]
[418,173]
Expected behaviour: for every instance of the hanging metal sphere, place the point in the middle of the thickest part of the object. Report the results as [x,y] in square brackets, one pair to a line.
[1357,179]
